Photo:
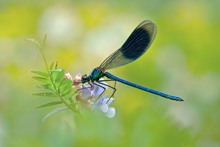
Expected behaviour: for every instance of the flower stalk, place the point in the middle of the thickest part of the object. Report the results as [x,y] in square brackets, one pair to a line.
[70,91]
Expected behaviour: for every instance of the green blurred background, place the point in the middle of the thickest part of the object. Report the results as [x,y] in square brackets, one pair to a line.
[183,60]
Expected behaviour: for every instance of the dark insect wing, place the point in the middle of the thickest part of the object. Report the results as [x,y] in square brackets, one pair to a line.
[135,46]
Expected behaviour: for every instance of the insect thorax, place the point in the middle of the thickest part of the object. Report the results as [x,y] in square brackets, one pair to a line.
[96,74]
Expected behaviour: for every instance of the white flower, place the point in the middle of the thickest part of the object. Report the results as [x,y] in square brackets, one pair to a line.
[111,112]
[103,104]
[87,95]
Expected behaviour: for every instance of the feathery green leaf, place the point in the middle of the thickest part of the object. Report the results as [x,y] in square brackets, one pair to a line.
[40,73]
[69,95]
[66,87]
[50,104]
[57,74]
[41,79]
[52,65]
[47,94]
[48,87]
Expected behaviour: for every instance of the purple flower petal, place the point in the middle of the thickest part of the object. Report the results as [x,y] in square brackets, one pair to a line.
[97,90]
[100,101]
[86,93]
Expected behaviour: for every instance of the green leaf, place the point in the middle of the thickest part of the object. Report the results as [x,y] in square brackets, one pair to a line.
[57,74]
[66,89]
[50,104]
[60,83]
[47,94]
[57,70]
[60,77]
[73,104]
[65,82]
[54,112]
[42,79]
[49,87]
[66,86]
[51,65]
[69,95]
[40,73]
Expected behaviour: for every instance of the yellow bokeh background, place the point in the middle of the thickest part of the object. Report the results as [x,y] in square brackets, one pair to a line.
[183,60]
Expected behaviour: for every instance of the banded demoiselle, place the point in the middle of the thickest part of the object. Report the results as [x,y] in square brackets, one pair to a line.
[136,45]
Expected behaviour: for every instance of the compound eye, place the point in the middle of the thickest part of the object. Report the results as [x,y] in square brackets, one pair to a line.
[84,78]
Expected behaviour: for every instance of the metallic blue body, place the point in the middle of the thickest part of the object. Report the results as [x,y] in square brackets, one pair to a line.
[95,75]
[171,97]
[134,47]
